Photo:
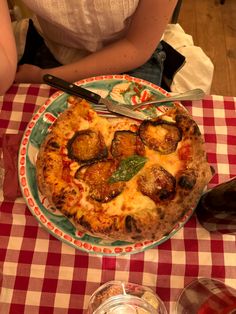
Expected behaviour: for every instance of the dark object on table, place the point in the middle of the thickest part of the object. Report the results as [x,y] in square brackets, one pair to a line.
[216,210]
[10,149]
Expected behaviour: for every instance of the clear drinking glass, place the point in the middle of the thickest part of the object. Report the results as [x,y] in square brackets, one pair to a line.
[119,297]
[206,296]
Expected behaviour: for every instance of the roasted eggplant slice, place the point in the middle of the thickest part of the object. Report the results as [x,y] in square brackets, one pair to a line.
[157,183]
[160,135]
[96,176]
[87,146]
[125,144]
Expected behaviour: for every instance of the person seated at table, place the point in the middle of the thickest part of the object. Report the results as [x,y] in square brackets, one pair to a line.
[8,55]
[80,39]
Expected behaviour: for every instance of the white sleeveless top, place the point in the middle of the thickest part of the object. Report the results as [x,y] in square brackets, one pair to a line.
[75,28]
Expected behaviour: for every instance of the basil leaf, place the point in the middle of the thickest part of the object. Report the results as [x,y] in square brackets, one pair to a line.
[128,168]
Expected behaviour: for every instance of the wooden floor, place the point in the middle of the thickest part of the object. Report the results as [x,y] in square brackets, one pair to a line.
[213,28]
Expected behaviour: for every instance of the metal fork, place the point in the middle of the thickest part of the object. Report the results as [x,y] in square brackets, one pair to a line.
[193,94]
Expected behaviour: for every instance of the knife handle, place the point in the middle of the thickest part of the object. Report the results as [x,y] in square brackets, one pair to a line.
[71,89]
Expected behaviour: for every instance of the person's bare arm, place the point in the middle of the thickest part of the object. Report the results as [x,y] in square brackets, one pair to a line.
[8,55]
[146,29]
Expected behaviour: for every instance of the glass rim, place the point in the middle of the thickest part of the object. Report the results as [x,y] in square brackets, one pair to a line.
[115,300]
[126,297]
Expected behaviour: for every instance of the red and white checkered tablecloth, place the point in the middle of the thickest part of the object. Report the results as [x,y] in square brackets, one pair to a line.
[40,274]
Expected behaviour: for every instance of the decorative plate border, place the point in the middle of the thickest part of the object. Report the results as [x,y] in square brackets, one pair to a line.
[50,226]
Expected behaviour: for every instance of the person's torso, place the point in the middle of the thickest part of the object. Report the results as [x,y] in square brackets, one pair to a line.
[85,25]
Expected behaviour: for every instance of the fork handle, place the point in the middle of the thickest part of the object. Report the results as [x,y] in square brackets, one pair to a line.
[71,89]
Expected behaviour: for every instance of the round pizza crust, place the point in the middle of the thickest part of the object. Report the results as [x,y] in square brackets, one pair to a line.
[84,152]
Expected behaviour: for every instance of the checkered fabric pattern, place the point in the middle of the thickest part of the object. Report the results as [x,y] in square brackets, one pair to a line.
[40,274]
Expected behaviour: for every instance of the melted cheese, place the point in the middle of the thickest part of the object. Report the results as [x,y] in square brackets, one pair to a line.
[130,200]
[170,162]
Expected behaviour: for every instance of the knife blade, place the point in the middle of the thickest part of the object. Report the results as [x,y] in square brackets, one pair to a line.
[92,97]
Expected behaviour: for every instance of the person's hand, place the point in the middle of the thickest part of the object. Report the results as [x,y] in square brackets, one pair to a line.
[28,73]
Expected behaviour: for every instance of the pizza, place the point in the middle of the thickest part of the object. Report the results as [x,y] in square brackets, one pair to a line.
[119,178]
